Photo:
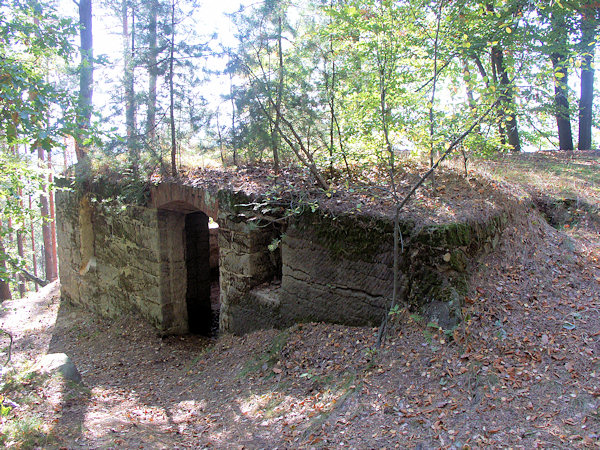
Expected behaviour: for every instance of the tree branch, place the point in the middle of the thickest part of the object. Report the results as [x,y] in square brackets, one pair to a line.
[383,327]
[28,275]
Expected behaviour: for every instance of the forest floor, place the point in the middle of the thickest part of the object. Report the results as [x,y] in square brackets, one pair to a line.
[522,370]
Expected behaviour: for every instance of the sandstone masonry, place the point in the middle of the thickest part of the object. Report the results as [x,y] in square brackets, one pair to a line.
[156,258]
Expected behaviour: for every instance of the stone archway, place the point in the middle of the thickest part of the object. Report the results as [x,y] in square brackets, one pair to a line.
[185,256]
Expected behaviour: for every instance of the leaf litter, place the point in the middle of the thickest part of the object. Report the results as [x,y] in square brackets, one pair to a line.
[522,369]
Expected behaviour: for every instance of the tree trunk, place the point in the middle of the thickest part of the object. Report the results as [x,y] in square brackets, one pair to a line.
[468,85]
[20,249]
[152,73]
[507,102]
[220,136]
[331,102]
[433,89]
[507,107]
[33,254]
[172,94]
[128,80]
[86,75]
[52,218]
[46,230]
[275,137]
[561,103]
[501,130]
[561,78]
[21,252]
[330,90]
[5,293]
[233,138]
[589,24]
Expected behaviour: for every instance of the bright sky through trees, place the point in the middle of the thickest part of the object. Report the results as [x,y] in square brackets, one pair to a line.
[210,20]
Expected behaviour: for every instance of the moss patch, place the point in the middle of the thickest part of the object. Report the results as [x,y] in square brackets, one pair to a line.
[351,237]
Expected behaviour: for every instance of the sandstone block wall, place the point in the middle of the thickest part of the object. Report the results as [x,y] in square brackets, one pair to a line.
[318,285]
[245,263]
[311,268]
[109,258]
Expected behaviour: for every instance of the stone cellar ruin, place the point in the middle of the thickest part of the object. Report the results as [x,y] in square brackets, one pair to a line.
[186,255]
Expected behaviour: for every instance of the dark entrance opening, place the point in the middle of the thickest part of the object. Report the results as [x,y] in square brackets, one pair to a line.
[197,262]
[215,291]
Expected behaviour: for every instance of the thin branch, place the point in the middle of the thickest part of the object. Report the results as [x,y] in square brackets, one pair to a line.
[383,327]
[434,77]
[28,275]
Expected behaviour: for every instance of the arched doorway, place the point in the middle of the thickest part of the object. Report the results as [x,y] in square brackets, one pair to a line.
[198,273]
[188,257]
[189,270]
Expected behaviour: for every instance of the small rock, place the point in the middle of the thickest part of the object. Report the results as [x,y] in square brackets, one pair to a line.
[440,313]
[58,362]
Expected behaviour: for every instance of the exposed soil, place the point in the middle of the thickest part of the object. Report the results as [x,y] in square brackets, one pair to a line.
[453,197]
[522,370]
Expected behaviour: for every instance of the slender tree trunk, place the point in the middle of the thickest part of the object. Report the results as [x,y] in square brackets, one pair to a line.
[86,75]
[221,149]
[341,142]
[10,233]
[561,80]
[152,73]
[561,103]
[331,90]
[382,68]
[468,85]
[233,138]
[46,230]
[128,80]
[481,69]
[20,249]
[433,89]
[507,102]
[33,253]
[589,24]
[501,130]
[5,293]
[172,94]
[329,80]
[279,98]
[507,113]
[332,105]
[52,217]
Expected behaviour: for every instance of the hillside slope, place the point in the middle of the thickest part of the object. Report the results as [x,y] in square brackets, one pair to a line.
[523,369]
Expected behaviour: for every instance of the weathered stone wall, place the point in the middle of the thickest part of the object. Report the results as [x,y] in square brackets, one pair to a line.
[341,270]
[115,258]
[245,262]
[318,284]
[311,268]
[109,258]
[172,285]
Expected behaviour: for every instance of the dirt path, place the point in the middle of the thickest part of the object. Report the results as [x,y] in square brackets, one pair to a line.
[522,370]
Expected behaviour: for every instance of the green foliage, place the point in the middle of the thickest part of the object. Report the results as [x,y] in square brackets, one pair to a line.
[18,179]
[33,110]
[395,310]
[26,432]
